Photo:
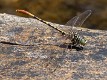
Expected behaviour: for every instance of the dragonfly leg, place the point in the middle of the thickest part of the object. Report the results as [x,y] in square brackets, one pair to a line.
[77,47]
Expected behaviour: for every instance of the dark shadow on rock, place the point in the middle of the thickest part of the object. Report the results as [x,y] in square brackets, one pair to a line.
[76,57]
[19,62]
[68,46]
[33,73]
[76,76]
[99,55]
[18,74]
[16,30]
[7,50]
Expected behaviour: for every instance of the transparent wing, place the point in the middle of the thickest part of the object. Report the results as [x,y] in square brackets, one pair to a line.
[79,20]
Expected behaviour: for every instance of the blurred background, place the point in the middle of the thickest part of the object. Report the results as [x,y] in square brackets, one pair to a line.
[60,11]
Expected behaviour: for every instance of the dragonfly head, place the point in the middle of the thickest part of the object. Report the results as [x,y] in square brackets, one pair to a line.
[83,41]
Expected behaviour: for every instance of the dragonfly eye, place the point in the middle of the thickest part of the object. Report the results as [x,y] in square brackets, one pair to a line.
[83,42]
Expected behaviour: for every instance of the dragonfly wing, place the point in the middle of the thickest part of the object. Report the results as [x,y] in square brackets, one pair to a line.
[72,22]
[79,20]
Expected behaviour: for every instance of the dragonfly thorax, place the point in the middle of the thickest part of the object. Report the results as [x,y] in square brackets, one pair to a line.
[76,39]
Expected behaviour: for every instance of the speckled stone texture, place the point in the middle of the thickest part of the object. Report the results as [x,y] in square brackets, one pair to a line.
[31,50]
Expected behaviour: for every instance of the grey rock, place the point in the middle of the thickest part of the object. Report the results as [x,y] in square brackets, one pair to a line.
[30,50]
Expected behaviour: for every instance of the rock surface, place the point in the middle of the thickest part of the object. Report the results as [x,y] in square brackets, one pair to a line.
[31,50]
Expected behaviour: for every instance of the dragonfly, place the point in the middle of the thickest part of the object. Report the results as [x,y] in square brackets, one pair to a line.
[72,35]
